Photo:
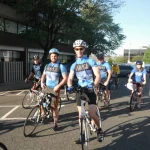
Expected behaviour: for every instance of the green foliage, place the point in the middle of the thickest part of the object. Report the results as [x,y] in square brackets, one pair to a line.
[54,21]
[136,58]
[110,61]
[121,59]
[146,57]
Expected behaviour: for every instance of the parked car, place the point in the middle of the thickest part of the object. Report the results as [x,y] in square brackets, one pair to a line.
[147,69]
[125,70]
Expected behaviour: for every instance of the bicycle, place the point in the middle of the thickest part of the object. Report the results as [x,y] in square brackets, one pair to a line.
[134,96]
[101,96]
[31,96]
[85,120]
[35,115]
[114,81]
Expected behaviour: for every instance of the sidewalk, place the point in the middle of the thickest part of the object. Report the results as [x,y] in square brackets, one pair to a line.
[18,85]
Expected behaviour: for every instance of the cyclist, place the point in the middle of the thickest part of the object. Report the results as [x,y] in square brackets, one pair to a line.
[106,72]
[85,68]
[36,71]
[138,74]
[115,72]
[52,73]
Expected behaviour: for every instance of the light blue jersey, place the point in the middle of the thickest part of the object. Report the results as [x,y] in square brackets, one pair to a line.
[104,67]
[138,75]
[83,69]
[53,72]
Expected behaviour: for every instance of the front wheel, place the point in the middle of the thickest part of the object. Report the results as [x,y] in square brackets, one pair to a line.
[28,99]
[32,121]
[133,101]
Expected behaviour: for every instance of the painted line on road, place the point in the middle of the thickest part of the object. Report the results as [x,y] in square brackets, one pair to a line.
[20,93]
[12,119]
[4,93]
[9,112]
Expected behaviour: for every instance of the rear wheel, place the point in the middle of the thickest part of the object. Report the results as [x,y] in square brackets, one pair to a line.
[133,101]
[28,99]
[2,146]
[32,121]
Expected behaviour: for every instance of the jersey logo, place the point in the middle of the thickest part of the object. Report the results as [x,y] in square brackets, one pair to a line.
[102,67]
[53,69]
[82,67]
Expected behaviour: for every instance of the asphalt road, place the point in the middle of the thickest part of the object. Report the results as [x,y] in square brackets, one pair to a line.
[123,130]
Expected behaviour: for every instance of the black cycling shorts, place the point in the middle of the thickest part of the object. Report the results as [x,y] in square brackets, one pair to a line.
[90,94]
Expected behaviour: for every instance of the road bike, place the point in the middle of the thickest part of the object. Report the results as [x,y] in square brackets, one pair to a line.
[39,113]
[101,96]
[134,96]
[85,121]
[31,96]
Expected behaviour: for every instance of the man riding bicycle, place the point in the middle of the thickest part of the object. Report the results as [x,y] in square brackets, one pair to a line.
[85,69]
[115,72]
[36,71]
[52,73]
[106,72]
[138,74]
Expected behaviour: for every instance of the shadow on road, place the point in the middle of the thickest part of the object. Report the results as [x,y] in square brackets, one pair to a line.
[129,135]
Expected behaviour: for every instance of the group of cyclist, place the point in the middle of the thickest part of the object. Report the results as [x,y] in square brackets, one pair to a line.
[89,74]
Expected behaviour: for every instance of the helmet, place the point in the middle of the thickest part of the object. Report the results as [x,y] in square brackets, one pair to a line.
[35,57]
[100,55]
[80,43]
[139,62]
[54,50]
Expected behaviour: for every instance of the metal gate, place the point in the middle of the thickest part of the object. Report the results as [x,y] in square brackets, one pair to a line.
[11,71]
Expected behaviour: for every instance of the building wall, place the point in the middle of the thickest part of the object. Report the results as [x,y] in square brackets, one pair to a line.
[134,52]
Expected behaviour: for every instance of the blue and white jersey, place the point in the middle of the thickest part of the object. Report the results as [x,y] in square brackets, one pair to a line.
[36,70]
[104,67]
[83,70]
[138,75]
[53,72]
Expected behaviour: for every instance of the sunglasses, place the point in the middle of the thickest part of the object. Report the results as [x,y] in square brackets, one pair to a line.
[77,49]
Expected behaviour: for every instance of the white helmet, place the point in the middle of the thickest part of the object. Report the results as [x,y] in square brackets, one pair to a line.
[80,43]
[54,50]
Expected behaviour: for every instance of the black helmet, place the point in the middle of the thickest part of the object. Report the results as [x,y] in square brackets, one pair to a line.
[100,55]
[35,57]
[139,62]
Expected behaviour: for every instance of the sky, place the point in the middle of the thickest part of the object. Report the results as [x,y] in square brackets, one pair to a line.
[134,18]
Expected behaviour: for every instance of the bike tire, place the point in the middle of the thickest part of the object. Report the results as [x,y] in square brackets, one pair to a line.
[81,133]
[31,122]
[28,99]
[3,146]
[86,134]
[133,101]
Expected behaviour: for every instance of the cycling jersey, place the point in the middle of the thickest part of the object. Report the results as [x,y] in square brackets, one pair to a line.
[116,69]
[83,69]
[104,67]
[53,72]
[138,75]
[36,70]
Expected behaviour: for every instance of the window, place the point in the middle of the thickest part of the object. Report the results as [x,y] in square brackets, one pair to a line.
[21,28]
[5,55]
[1,24]
[10,26]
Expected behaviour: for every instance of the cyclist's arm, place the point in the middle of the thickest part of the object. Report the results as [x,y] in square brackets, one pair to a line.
[43,78]
[109,75]
[130,76]
[70,78]
[144,77]
[30,75]
[118,70]
[97,76]
[63,81]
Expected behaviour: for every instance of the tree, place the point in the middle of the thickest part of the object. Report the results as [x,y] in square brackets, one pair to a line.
[110,61]
[121,59]
[146,57]
[136,58]
[53,21]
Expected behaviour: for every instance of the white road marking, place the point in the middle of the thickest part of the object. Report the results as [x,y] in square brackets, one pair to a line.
[20,93]
[4,93]
[9,112]
[12,119]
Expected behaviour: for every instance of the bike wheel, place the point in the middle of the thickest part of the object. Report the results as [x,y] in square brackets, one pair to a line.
[86,134]
[2,146]
[32,121]
[28,99]
[133,101]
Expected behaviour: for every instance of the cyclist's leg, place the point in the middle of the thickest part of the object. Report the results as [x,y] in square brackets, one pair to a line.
[93,112]
[140,91]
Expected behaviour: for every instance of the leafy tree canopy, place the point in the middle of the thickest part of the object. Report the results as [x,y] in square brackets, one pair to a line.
[146,57]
